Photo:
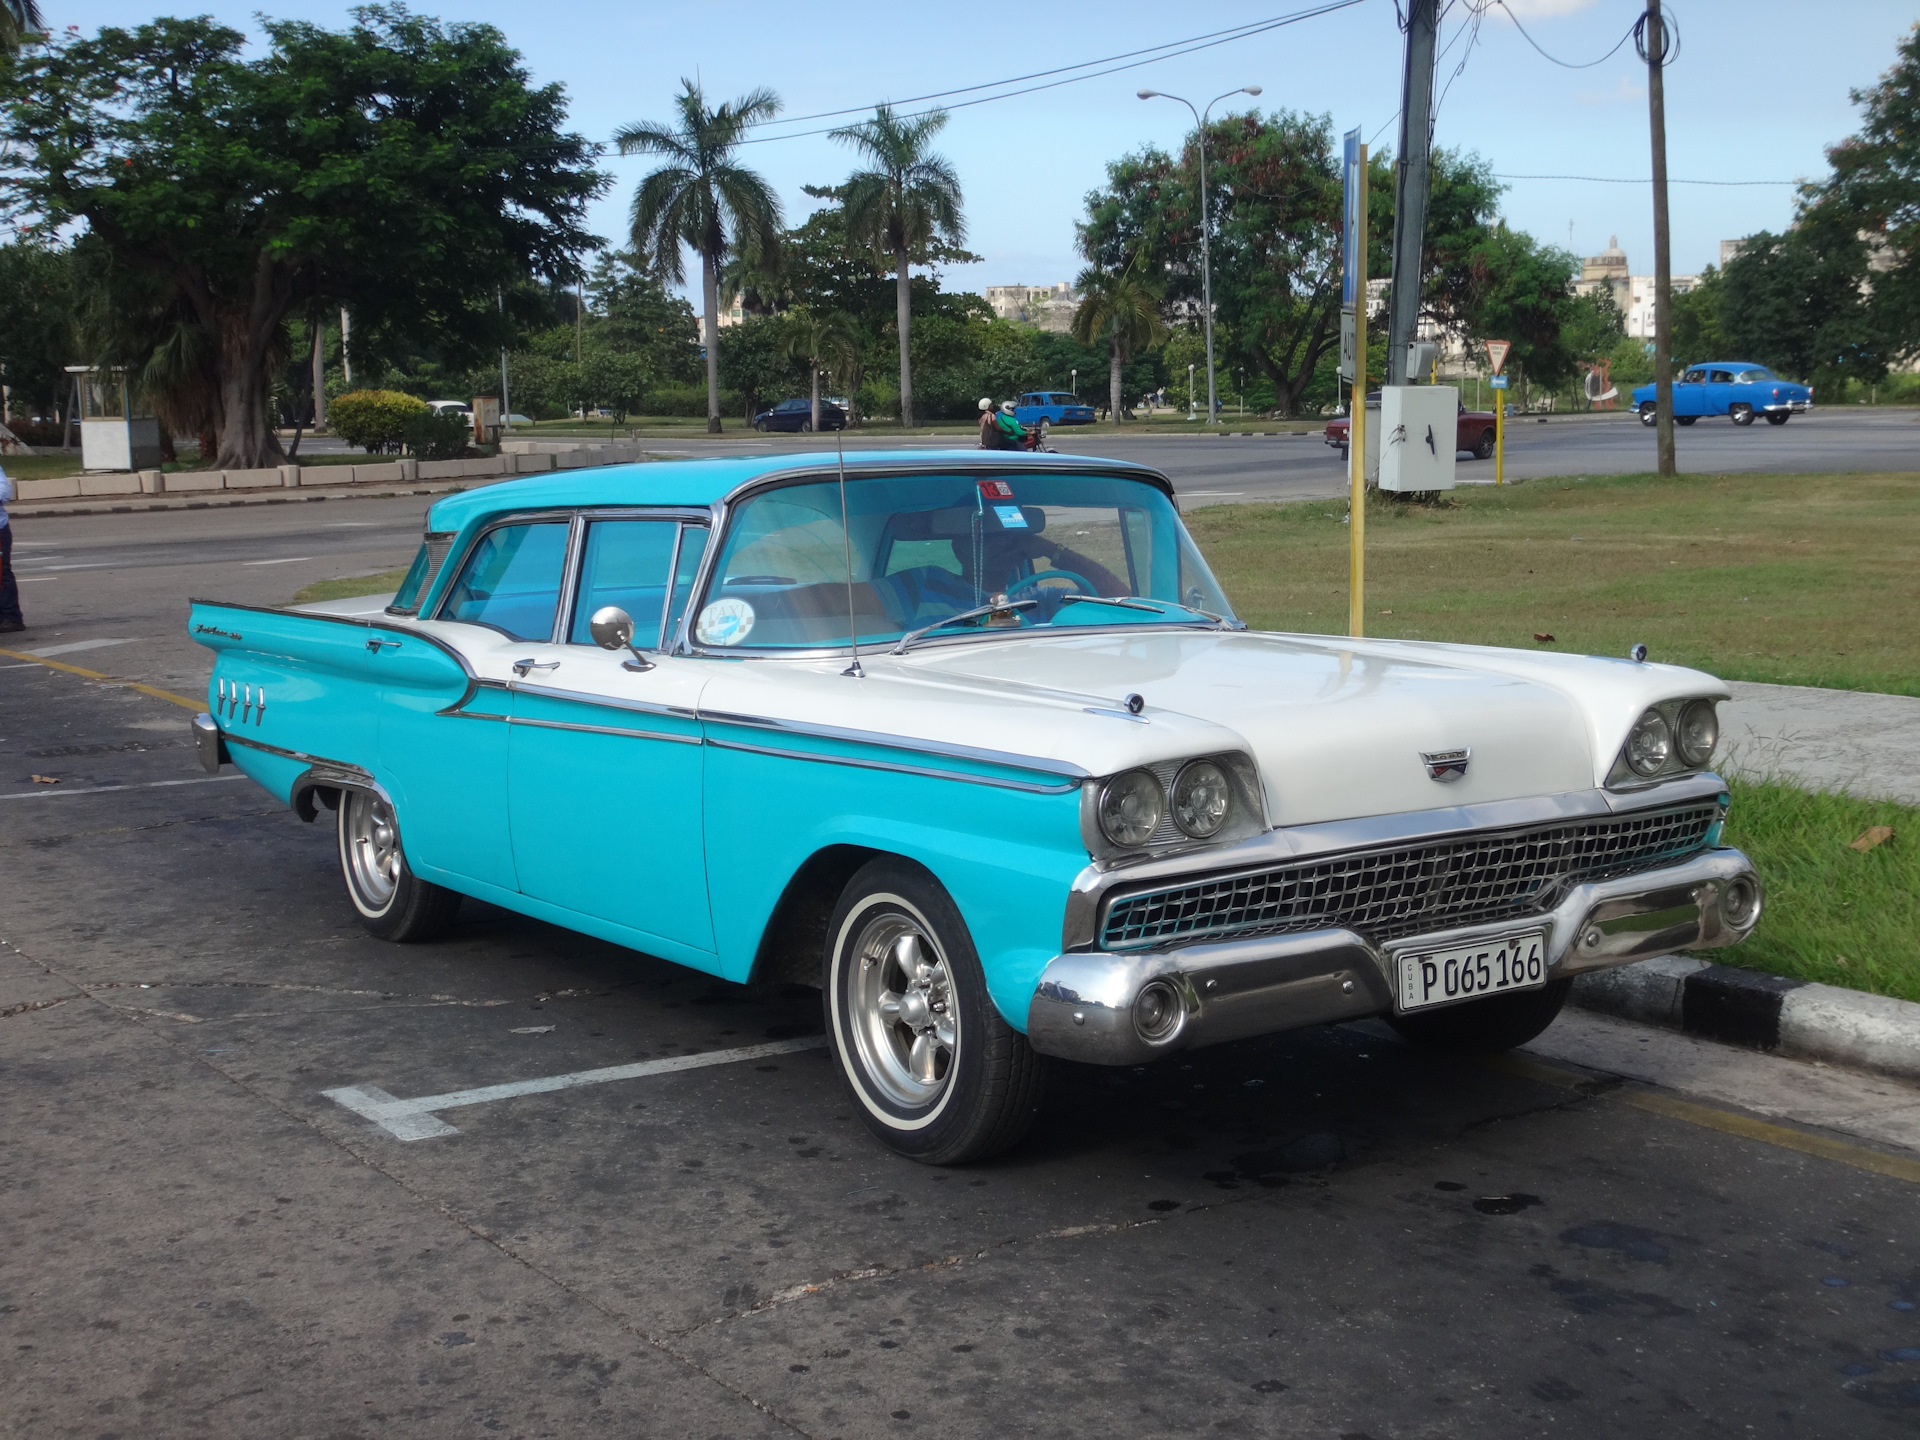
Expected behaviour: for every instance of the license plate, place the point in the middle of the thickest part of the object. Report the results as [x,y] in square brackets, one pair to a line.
[1439,977]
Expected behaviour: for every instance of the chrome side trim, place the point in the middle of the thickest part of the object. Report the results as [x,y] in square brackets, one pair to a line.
[1065,769]
[597,729]
[1032,787]
[1083,1006]
[644,707]
[1094,885]
[329,775]
[569,578]
[284,754]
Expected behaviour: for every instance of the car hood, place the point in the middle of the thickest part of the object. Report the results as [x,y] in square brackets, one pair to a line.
[1339,727]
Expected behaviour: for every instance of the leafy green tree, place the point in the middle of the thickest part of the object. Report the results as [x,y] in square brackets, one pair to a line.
[827,343]
[704,200]
[636,314]
[1798,302]
[754,364]
[36,329]
[403,167]
[1520,290]
[1697,332]
[910,197]
[1874,191]
[1122,308]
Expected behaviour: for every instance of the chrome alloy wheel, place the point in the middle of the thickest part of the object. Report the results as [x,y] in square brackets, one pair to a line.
[370,846]
[904,1016]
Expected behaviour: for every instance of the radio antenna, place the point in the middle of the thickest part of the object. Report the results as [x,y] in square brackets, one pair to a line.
[846,538]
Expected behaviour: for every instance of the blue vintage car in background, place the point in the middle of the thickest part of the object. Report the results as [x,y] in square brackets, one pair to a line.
[973,744]
[1735,388]
[1047,408]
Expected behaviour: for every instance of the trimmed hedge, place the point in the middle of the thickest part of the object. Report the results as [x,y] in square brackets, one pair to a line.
[375,420]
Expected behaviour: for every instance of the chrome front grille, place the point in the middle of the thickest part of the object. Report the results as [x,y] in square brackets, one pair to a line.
[1415,888]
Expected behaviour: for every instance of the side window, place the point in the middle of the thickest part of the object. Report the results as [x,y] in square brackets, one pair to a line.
[1722,377]
[1693,377]
[693,544]
[627,563]
[511,581]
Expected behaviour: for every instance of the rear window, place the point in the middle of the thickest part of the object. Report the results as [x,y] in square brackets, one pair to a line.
[511,581]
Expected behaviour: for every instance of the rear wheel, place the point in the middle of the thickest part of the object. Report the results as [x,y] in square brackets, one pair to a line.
[1480,1027]
[1741,414]
[938,1075]
[1649,414]
[1778,417]
[1685,419]
[393,902]
[806,426]
[1484,450]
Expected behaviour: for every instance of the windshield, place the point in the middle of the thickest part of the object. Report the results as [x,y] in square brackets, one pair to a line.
[926,548]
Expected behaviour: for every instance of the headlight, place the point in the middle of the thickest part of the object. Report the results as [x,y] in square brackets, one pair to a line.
[1131,808]
[1649,743]
[1202,799]
[1699,732]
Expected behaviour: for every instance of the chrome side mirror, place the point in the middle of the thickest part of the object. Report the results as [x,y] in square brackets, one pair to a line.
[612,629]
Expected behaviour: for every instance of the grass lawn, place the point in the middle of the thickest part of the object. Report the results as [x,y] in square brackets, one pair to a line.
[1794,579]
[1833,913]
[382,584]
[40,467]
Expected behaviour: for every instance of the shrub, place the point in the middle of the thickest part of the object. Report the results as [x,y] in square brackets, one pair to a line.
[433,435]
[37,432]
[375,420]
[689,400]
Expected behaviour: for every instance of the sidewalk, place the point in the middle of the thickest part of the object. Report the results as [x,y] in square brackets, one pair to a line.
[1865,744]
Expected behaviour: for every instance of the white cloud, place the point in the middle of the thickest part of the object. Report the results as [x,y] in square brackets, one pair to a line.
[1626,90]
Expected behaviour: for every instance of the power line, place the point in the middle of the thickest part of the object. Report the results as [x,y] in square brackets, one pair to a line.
[1619,180]
[1260,28]
[1563,64]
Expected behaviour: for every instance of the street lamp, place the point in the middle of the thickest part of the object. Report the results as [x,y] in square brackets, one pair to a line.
[1189,392]
[1206,221]
[1073,385]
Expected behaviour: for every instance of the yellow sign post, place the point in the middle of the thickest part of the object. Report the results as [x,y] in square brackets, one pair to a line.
[1497,357]
[1357,425]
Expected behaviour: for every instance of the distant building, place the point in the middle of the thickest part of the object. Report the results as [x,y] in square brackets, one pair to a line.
[1048,307]
[1632,294]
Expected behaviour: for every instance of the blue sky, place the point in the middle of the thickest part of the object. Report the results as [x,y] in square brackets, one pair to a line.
[1760,87]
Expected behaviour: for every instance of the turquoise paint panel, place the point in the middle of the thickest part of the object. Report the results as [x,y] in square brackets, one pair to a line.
[1008,858]
[610,824]
[446,772]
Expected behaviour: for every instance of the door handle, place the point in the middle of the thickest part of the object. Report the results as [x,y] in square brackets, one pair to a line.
[373,646]
[523,667]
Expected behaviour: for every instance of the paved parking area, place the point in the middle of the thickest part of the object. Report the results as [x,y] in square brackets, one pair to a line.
[1321,1234]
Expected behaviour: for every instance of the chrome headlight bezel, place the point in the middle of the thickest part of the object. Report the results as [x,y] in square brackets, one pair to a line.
[1676,760]
[1686,727]
[1246,813]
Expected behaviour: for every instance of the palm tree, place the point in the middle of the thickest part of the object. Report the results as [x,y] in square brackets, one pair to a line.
[828,343]
[18,20]
[701,198]
[1122,307]
[909,197]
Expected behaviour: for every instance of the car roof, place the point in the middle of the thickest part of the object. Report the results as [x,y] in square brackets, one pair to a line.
[700,483]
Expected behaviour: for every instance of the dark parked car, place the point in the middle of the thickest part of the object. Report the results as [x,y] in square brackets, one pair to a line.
[798,415]
[1734,388]
[1474,431]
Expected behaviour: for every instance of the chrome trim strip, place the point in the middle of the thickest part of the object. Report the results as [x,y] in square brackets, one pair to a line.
[1082,1007]
[1096,884]
[645,707]
[901,742]
[1032,787]
[284,754]
[569,578]
[603,730]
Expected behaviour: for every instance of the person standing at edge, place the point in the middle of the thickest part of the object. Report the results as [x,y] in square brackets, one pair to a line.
[10,616]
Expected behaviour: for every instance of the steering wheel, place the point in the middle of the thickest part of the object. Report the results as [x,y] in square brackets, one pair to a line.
[1086,586]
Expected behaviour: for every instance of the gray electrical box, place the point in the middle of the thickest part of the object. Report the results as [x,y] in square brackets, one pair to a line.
[1418,434]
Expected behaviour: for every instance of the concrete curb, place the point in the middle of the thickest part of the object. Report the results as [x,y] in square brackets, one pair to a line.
[1761,1012]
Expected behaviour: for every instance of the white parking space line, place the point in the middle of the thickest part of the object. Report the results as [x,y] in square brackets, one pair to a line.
[414,1120]
[287,560]
[74,647]
[109,789]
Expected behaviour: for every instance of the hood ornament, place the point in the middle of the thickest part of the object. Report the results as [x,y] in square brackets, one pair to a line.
[1446,766]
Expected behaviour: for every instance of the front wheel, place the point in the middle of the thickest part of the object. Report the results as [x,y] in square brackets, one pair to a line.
[1484,450]
[761,426]
[938,1075]
[393,902]
[1778,417]
[1046,428]
[806,426]
[1741,414]
[1685,419]
[1481,1027]
[1649,414]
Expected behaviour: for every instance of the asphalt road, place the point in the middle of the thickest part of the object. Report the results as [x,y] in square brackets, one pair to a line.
[1323,1234]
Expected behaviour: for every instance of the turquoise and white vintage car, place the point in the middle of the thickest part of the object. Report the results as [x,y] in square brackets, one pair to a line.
[974,743]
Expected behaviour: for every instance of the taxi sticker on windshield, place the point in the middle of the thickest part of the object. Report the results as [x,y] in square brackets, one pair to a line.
[996,490]
[1010,517]
[724,622]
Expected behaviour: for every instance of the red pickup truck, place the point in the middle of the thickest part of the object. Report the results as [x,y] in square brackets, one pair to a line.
[1474,432]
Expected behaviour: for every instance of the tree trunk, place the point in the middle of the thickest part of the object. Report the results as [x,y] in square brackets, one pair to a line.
[816,398]
[903,306]
[247,441]
[710,292]
[1113,384]
[319,377]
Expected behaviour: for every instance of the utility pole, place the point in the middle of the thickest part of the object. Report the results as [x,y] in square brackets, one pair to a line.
[319,375]
[1412,182]
[346,354]
[1652,43]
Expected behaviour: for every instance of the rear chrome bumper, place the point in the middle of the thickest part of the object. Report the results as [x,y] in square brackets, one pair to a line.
[210,743]
[1088,1005]
[1792,407]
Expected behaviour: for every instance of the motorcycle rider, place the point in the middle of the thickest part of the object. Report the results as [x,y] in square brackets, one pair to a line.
[998,429]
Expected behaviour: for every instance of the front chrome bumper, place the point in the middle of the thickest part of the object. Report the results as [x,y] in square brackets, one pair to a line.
[1088,1004]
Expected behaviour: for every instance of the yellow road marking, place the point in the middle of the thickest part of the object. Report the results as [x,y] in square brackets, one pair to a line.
[153,690]
[1727,1122]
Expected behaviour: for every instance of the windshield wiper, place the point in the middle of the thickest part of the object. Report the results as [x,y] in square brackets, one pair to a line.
[1161,609]
[999,602]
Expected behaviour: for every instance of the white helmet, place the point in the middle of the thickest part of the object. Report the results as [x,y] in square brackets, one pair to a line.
[986,402]
[1006,407]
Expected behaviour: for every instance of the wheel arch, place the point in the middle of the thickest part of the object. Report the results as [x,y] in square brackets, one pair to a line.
[793,945]
[321,784]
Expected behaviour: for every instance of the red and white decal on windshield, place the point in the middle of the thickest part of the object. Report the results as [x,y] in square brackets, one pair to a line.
[996,490]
